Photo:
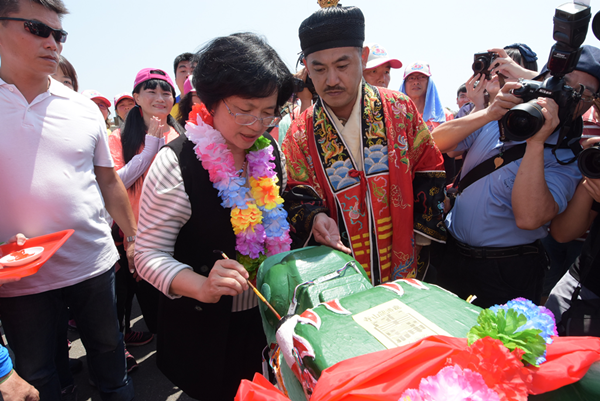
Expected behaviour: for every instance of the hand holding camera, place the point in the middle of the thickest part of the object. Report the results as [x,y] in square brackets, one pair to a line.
[302,88]
[592,186]
[504,101]
[524,121]
[508,67]
[476,91]
[549,111]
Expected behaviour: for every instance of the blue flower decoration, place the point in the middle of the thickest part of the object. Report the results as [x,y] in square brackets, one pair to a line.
[538,317]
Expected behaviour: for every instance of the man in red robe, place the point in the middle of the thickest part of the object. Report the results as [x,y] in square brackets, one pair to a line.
[364,173]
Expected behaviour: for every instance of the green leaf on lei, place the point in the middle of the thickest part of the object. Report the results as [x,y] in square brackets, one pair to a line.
[259,144]
[250,264]
[503,326]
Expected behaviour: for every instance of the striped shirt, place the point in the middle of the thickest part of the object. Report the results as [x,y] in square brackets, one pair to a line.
[165,208]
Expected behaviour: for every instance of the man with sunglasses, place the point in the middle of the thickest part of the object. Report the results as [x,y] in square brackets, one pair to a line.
[58,175]
[494,249]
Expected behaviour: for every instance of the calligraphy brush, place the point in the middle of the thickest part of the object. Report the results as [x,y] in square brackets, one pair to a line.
[258,294]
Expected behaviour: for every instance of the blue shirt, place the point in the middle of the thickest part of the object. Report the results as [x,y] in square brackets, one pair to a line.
[482,214]
[5,362]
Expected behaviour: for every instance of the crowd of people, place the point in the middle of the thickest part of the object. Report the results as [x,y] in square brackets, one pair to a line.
[249,161]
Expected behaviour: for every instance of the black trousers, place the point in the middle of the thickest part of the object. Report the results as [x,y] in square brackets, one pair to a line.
[492,280]
[125,289]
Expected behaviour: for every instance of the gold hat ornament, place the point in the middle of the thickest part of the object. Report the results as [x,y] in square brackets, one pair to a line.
[328,3]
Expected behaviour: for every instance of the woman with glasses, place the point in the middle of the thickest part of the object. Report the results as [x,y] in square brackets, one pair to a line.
[212,194]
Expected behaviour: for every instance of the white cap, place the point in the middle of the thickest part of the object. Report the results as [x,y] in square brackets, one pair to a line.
[378,56]
[419,66]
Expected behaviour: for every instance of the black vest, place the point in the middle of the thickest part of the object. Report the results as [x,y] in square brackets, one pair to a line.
[191,334]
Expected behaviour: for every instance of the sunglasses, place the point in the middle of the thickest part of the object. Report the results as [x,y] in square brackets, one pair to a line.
[40,29]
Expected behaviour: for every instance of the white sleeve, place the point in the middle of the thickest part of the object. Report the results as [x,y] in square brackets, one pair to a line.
[164,209]
[102,157]
[138,165]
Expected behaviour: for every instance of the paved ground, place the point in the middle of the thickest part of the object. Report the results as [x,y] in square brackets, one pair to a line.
[148,381]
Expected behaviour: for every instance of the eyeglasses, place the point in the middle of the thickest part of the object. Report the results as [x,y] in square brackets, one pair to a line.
[588,98]
[249,119]
[586,94]
[40,29]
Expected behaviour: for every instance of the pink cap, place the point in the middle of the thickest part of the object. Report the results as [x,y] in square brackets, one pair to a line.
[419,66]
[122,96]
[378,56]
[187,85]
[147,74]
[92,94]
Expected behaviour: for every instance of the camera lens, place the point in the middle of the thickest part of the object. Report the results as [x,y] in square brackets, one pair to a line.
[523,121]
[480,64]
[588,162]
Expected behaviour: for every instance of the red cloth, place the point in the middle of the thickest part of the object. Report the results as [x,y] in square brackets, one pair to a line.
[568,360]
[259,389]
[385,375]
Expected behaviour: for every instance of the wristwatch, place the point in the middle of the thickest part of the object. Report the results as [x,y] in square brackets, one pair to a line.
[132,238]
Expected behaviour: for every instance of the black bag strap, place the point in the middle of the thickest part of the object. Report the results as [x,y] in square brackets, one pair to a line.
[589,265]
[492,164]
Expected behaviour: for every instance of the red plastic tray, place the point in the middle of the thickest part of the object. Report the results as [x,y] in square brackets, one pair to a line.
[50,242]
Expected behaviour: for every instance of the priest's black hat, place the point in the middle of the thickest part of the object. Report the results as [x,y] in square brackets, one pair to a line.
[332,27]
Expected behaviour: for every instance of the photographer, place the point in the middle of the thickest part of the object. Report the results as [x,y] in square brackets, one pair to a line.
[574,221]
[508,65]
[497,222]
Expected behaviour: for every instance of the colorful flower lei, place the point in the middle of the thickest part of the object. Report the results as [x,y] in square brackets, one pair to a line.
[257,215]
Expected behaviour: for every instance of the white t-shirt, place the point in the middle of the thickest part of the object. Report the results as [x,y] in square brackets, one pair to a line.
[48,150]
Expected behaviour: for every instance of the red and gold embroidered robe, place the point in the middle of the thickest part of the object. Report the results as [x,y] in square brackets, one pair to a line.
[400,190]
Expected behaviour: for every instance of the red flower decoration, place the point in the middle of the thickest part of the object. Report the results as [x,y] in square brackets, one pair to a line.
[501,369]
[200,110]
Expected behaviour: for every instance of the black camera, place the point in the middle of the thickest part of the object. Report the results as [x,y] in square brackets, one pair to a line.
[525,119]
[588,161]
[482,63]
[300,85]
[571,21]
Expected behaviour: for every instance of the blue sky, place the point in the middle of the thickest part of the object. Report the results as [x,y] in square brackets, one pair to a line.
[110,41]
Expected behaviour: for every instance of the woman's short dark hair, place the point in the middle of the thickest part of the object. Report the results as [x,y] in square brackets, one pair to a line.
[243,65]
[67,68]
[516,55]
[133,133]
